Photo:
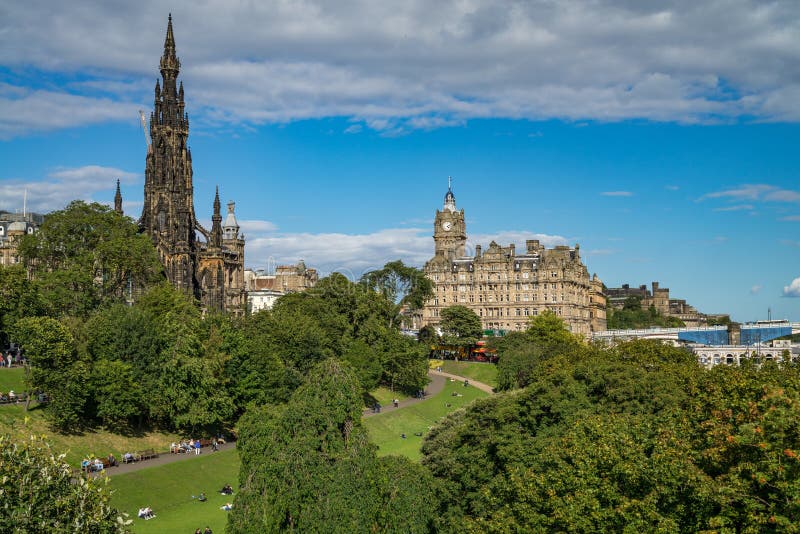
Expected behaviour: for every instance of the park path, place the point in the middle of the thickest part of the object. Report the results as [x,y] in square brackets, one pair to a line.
[438,380]
[163,458]
[480,385]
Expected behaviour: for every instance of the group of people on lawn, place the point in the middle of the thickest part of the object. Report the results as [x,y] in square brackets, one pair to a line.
[193,445]
[95,465]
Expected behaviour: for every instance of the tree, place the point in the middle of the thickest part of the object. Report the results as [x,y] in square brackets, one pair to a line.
[309,466]
[19,297]
[401,284]
[633,316]
[521,352]
[40,494]
[460,326]
[55,369]
[300,456]
[88,254]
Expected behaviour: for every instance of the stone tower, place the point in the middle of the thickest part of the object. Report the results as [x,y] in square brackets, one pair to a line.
[168,212]
[212,270]
[449,229]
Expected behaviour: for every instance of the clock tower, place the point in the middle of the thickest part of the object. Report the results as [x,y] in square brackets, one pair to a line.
[449,229]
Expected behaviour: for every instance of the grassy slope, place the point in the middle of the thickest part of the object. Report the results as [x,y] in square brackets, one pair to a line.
[13,378]
[385,395]
[482,372]
[171,490]
[386,428]
[77,446]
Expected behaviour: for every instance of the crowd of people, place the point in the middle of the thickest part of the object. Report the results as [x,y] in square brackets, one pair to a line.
[194,446]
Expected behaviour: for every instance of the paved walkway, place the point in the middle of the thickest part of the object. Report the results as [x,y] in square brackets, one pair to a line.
[438,380]
[480,385]
[163,458]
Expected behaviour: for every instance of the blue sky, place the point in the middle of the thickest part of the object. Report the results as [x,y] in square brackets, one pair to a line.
[663,141]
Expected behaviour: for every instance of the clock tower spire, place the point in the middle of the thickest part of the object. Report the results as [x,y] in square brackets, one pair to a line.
[449,228]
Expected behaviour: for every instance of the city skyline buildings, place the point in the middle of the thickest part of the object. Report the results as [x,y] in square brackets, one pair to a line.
[693,185]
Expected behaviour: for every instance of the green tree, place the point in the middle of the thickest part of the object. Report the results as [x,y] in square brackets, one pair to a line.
[521,352]
[19,297]
[316,446]
[460,326]
[40,494]
[87,254]
[402,284]
[633,316]
[55,369]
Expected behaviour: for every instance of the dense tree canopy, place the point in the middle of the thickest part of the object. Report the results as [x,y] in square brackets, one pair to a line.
[633,315]
[39,493]
[460,326]
[88,254]
[634,437]
[309,466]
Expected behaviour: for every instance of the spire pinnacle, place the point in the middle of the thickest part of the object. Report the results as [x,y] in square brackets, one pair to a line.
[169,61]
[216,226]
[118,200]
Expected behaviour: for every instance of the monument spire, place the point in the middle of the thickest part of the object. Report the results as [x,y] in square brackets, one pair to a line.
[118,200]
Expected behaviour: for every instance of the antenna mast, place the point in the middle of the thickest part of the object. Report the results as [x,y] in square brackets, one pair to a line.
[144,131]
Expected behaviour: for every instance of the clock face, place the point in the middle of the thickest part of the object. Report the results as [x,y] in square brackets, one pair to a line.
[447,225]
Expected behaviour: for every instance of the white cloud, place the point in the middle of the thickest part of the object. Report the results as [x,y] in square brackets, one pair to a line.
[617,194]
[356,254]
[756,193]
[28,111]
[671,187]
[756,289]
[351,253]
[793,289]
[738,207]
[253,226]
[791,218]
[62,186]
[415,64]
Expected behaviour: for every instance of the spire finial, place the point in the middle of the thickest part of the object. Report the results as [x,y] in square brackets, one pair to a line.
[216,202]
[449,183]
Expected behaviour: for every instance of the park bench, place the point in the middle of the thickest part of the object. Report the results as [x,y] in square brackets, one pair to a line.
[147,454]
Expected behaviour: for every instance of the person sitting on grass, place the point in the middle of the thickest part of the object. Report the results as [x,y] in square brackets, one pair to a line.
[227,507]
[202,497]
[112,462]
[146,513]
[226,490]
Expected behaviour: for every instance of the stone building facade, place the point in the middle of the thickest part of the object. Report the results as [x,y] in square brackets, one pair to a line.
[206,264]
[12,227]
[264,289]
[505,288]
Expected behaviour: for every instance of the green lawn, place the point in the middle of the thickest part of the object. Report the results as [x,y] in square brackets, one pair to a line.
[482,372]
[171,490]
[97,442]
[13,378]
[385,429]
[384,395]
